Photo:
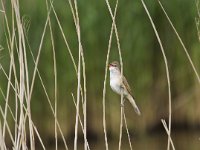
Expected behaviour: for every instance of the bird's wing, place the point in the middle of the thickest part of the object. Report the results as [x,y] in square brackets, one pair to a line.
[125,83]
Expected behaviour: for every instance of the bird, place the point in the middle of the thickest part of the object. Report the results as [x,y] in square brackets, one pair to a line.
[119,84]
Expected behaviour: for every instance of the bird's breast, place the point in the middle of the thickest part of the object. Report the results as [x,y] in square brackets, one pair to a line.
[115,84]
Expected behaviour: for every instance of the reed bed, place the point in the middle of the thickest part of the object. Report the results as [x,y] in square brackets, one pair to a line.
[20,80]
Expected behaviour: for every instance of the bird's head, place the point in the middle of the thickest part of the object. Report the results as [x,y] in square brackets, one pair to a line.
[114,66]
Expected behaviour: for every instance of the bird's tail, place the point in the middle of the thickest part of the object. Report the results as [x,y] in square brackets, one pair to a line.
[132,101]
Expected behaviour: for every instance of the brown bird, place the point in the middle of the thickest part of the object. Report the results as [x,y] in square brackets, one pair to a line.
[120,85]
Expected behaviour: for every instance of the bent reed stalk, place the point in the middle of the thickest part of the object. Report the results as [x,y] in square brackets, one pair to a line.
[166,69]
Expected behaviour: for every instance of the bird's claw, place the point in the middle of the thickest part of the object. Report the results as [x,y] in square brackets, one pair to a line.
[122,104]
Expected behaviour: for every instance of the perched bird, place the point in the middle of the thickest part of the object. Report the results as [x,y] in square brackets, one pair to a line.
[120,85]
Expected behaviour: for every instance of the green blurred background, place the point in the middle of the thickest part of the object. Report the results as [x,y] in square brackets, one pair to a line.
[142,58]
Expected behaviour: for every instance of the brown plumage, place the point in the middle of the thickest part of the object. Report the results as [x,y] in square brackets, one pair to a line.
[119,84]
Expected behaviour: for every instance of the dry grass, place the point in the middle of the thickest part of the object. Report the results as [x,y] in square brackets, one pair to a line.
[106,72]
[23,90]
[167,72]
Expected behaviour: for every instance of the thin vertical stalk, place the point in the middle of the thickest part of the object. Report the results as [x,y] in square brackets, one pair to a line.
[10,47]
[79,75]
[129,139]
[167,130]
[2,142]
[82,126]
[121,123]
[180,40]
[166,69]
[84,96]
[121,63]
[105,77]
[74,64]
[8,128]
[55,76]
[21,141]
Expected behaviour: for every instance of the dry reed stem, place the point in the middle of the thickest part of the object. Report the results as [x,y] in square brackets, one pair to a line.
[84,97]
[186,52]
[74,64]
[9,42]
[127,131]
[2,139]
[24,72]
[24,82]
[15,119]
[22,85]
[9,79]
[82,126]
[4,72]
[10,110]
[166,69]
[24,69]
[85,103]
[7,127]
[34,127]
[167,130]
[121,123]
[67,44]
[49,101]
[7,96]
[21,70]
[55,76]
[6,21]
[65,40]
[105,77]
[121,63]
[180,40]
[75,67]
[39,50]
[16,112]
[5,121]
[79,74]
[68,47]
[16,125]
[2,142]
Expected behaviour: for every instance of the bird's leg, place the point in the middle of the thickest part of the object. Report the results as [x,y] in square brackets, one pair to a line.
[122,104]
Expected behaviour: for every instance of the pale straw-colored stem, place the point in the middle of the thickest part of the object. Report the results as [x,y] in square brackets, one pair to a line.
[127,131]
[55,78]
[167,130]
[180,40]
[166,69]
[81,123]
[121,63]
[105,77]
[79,74]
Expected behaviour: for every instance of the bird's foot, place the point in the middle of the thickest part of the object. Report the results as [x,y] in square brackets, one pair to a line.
[122,104]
